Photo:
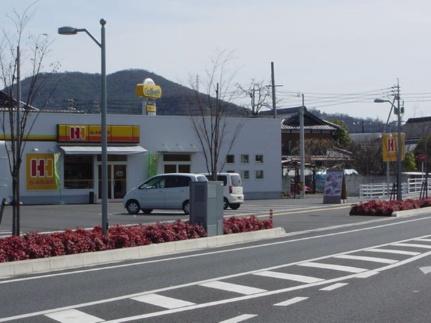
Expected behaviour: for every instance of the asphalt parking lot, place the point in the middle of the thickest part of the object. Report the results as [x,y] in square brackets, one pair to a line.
[292,214]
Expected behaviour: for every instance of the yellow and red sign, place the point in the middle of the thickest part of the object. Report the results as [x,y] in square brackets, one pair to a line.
[149,91]
[91,133]
[40,172]
[390,146]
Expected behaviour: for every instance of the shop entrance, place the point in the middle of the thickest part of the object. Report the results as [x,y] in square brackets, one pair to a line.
[117,184]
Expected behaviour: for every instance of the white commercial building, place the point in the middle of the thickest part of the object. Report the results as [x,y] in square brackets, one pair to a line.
[61,161]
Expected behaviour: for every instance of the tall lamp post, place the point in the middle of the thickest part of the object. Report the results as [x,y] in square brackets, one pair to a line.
[104,141]
[397,111]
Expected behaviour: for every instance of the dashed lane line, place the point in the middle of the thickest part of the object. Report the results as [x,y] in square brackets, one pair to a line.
[291,301]
[333,287]
[239,318]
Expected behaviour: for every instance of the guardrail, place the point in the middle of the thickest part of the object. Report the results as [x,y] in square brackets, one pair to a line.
[412,188]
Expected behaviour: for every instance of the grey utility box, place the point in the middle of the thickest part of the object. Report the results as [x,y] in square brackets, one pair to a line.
[206,206]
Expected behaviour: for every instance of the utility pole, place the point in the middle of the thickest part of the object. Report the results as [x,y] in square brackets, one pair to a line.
[399,165]
[302,146]
[274,107]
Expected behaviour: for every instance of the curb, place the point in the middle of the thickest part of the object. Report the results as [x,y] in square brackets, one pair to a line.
[420,211]
[41,265]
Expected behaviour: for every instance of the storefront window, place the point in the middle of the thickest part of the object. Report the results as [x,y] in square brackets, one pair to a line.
[78,172]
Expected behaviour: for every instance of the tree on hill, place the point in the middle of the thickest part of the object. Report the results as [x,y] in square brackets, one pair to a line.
[342,136]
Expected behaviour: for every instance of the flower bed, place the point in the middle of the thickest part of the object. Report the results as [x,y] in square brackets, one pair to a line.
[34,245]
[386,208]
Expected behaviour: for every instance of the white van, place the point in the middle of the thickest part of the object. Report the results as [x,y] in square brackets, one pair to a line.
[164,191]
[233,191]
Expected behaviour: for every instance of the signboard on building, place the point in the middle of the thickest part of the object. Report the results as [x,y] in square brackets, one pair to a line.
[390,146]
[68,133]
[40,172]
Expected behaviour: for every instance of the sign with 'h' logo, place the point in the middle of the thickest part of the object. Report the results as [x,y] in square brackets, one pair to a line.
[390,146]
[40,172]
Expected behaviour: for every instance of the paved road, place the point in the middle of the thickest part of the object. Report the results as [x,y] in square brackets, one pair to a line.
[292,214]
[366,273]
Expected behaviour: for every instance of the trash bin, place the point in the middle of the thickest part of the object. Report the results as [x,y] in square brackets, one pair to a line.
[91,199]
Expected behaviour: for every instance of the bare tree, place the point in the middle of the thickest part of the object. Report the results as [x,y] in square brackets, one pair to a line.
[259,94]
[19,55]
[209,120]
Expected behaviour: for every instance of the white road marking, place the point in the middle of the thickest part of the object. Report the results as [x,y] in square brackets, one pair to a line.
[297,278]
[239,318]
[367,274]
[73,316]
[291,301]
[235,249]
[422,239]
[162,301]
[393,251]
[414,245]
[333,286]
[236,288]
[371,259]
[426,269]
[348,269]
[127,296]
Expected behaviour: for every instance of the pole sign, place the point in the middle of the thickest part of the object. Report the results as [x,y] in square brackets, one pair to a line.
[390,146]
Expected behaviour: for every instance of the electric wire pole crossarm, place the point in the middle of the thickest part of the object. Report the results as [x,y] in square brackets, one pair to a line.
[103,129]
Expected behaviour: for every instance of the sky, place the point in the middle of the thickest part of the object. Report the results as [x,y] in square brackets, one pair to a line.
[340,53]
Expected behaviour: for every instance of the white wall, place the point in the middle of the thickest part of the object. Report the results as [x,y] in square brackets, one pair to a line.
[171,133]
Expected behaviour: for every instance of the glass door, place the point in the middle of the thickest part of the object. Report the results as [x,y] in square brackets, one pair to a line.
[117,181]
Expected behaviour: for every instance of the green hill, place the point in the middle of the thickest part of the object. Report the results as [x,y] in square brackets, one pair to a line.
[82,91]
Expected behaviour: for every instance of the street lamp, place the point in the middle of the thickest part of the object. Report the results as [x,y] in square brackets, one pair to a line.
[104,142]
[397,111]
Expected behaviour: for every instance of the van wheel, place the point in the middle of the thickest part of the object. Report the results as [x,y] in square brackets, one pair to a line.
[147,211]
[225,203]
[234,206]
[132,207]
[186,207]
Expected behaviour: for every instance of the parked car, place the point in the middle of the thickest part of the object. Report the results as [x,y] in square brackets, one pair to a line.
[163,191]
[233,191]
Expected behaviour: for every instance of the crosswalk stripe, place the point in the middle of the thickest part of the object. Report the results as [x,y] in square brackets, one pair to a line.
[394,251]
[239,318]
[348,269]
[414,245]
[291,301]
[297,278]
[73,316]
[363,258]
[162,301]
[333,286]
[240,289]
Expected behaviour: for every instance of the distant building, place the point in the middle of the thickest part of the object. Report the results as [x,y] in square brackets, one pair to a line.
[415,129]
